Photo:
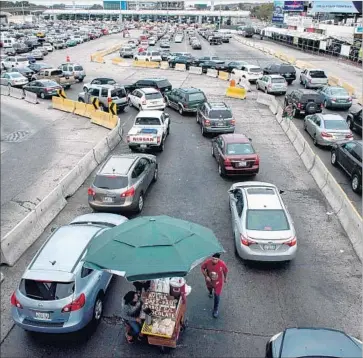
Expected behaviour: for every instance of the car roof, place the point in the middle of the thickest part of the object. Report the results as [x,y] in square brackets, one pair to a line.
[149,90]
[252,66]
[154,79]
[235,138]
[104,219]
[307,91]
[262,198]
[331,117]
[318,342]
[190,90]
[64,248]
[118,164]
[275,76]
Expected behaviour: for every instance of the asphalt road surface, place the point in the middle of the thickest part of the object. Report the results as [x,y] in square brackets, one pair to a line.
[321,287]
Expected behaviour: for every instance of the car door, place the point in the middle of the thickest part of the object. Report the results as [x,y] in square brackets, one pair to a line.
[175,95]
[133,96]
[148,173]
[92,92]
[4,79]
[310,123]
[237,206]
[358,119]
[138,178]
[166,120]
[347,156]
[267,70]
[32,87]
[316,126]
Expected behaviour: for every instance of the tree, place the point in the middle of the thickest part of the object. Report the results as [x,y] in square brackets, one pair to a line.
[263,11]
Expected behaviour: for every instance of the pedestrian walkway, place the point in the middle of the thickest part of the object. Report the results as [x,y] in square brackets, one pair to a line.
[333,67]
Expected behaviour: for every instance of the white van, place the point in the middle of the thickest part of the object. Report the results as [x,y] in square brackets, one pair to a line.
[251,73]
[8,42]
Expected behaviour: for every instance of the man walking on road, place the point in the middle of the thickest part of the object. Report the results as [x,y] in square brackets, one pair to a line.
[215,273]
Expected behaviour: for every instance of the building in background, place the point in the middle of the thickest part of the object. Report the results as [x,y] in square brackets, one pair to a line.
[143,5]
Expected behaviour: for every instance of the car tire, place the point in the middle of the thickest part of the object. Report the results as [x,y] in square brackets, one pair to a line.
[203,131]
[98,309]
[136,59]
[301,82]
[333,158]
[220,171]
[295,112]
[140,203]
[42,95]
[350,124]
[162,146]
[212,152]
[326,104]
[80,100]
[289,82]
[80,80]
[181,111]
[129,103]
[306,85]
[102,108]
[315,142]
[156,174]
[356,183]
[305,127]
[168,130]
[257,87]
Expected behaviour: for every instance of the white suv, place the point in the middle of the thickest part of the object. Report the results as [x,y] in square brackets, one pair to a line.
[262,226]
[148,56]
[146,99]
[14,61]
[251,72]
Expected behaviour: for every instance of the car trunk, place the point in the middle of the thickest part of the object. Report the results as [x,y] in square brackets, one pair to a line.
[269,241]
[242,161]
[108,189]
[221,118]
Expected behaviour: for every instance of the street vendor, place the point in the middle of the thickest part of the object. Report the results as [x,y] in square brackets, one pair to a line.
[131,310]
[141,285]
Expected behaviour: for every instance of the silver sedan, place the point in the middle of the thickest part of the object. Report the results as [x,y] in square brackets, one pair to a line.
[327,129]
[272,84]
[13,79]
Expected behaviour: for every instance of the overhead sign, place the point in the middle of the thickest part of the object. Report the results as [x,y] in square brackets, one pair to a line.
[278,12]
[294,6]
[351,7]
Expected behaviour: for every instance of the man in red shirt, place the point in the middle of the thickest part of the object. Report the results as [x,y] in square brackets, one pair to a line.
[215,273]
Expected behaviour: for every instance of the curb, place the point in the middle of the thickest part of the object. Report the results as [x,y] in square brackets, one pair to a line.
[27,231]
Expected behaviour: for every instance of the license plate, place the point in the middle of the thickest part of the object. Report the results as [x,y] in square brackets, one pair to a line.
[143,146]
[108,199]
[42,315]
[220,124]
[288,74]
[67,78]
[269,247]
[242,164]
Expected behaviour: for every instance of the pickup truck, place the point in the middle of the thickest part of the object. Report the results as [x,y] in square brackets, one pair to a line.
[149,131]
[56,75]
[313,78]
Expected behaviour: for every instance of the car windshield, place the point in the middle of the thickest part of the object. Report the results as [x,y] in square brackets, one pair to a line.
[267,220]
[120,93]
[110,182]
[46,290]
[339,92]
[49,83]
[22,59]
[278,80]
[254,70]
[333,124]
[127,49]
[155,53]
[239,149]
[197,97]
[317,74]
[16,75]
[220,113]
[150,121]
[78,68]
[153,95]
[163,84]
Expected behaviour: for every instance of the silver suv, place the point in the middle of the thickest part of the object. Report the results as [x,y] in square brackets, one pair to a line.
[127,51]
[57,293]
[73,69]
[105,94]
[122,182]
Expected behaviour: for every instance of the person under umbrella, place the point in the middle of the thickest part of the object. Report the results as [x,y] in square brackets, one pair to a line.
[131,310]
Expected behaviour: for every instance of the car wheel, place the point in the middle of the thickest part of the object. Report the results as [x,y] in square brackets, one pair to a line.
[80,80]
[156,173]
[168,130]
[315,141]
[306,85]
[333,158]
[181,112]
[220,170]
[98,309]
[350,124]
[140,203]
[162,146]
[356,184]
[212,151]
[84,89]
[80,100]
[203,131]
[42,95]
[301,82]
[129,103]
[136,59]
[326,104]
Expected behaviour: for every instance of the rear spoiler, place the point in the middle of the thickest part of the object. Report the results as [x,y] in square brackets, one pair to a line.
[49,275]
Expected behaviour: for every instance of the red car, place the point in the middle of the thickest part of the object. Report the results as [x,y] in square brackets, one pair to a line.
[235,155]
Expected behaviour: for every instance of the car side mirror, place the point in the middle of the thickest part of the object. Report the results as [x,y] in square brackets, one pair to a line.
[232,191]
[167,115]
[281,191]
[250,139]
[54,228]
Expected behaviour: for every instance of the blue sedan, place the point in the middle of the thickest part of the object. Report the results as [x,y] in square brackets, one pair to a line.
[336,97]
[313,342]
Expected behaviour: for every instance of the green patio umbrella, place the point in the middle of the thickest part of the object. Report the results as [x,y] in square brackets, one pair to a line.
[152,247]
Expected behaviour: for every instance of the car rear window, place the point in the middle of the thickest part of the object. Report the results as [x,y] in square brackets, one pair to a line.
[220,113]
[163,84]
[254,70]
[57,73]
[288,69]
[120,93]
[239,149]
[312,98]
[278,80]
[197,97]
[110,182]
[46,290]
[317,74]
[153,95]
[78,68]
[333,124]
[23,59]
[267,220]
[149,121]
[126,49]
[155,53]
[339,92]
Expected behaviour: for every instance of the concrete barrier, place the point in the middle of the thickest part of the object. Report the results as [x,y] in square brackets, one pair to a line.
[319,172]
[68,105]
[223,75]
[180,67]
[90,109]
[285,124]
[152,64]
[5,90]
[212,73]
[299,141]
[291,60]
[265,99]
[279,114]
[31,97]
[274,106]
[117,60]
[104,119]
[25,233]
[234,92]
[333,81]
[139,63]
[80,109]
[350,89]
[57,103]
[195,70]
[164,65]
[16,92]
[308,157]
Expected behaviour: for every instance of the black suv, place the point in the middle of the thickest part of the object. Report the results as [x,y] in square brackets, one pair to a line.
[215,117]
[304,101]
[283,69]
[354,118]
[184,60]
[161,84]
[185,99]
[348,155]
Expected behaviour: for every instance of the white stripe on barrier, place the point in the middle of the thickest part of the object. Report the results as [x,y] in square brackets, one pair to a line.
[31,97]
[308,157]
[212,73]
[265,99]
[17,92]
[5,91]
[285,124]
[195,70]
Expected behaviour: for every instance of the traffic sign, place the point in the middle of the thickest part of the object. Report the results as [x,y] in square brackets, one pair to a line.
[96,103]
[113,109]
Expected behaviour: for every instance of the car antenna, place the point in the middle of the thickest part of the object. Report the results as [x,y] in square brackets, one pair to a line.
[53,262]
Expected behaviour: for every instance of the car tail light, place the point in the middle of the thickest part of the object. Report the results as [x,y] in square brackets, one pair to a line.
[334,99]
[14,301]
[246,241]
[49,89]
[158,139]
[233,121]
[350,99]
[144,101]
[227,162]
[257,160]
[128,193]
[326,135]
[185,105]
[75,305]
[91,192]
[299,105]
[310,80]
[207,122]
[348,136]
[291,242]
[109,99]
[321,105]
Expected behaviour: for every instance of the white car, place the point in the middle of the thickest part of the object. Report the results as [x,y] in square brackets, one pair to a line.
[48,46]
[263,228]
[152,41]
[13,79]
[251,72]
[147,99]
[178,38]
[154,56]
[14,61]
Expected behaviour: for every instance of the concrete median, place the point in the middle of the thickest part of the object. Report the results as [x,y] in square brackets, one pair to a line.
[5,90]
[273,105]
[350,89]
[319,172]
[223,75]
[299,141]
[333,81]
[292,132]
[90,109]
[212,73]
[104,119]
[57,103]
[16,93]
[164,65]
[31,97]
[308,157]
[234,92]
[265,99]
[180,67]
[195,70]
[68,105]
[285,124]
[152,64]
[80,109]
[279,114]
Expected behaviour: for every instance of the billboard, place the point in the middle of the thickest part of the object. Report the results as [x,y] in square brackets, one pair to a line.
[294,6]
[350,7]
[278,12]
